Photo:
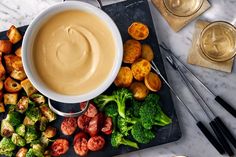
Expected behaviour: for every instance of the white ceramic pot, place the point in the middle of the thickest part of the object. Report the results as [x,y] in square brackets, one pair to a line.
[27,55]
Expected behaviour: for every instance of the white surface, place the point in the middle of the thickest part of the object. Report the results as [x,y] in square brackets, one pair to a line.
[193,143]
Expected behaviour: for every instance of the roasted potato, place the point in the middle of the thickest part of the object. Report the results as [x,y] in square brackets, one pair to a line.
[140,69]
[22,104]
[11,85]
[1,85]
[2,71]
[2,107]
[132,51]
[153,82]
[147,52]
[9,60]
[18,52]
[139,90]
[22,152]
[18,74]
[124,77]
[17,65]
[5,46]
[50,132]
[10,98]
[14,35]
[28,87]
[138,31]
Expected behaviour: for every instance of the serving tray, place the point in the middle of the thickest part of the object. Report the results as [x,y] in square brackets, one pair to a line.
[123,14]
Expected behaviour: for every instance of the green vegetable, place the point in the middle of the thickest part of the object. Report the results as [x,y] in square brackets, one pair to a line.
[6,129]
[31,134]
[38,149]
[7,147]
[20,130]
[119,96]
[47,113]
[152,114]
[34,153]
[28,121]
[142,135]
[118,139]
[14,118]
[22,104]
[33,113]
[43,123]
[45,140]
[125,124]
[110,110]
[18,140]
[133,110]
[38,98]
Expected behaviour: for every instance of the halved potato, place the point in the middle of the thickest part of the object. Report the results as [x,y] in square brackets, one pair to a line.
[18,52]
[14,35]
[132,51]
[140,69]
[11,85]
[5,46]
[124,77]
[2,107]
[9,60]
[138,31]
[139,90]
[10,98]
[153,82]
[147,52]
[18,74]
[28,87]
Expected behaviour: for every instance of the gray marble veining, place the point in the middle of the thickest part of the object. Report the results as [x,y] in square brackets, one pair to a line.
[193,143]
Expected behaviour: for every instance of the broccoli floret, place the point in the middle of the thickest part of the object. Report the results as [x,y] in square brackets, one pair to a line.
[38,98]
[18,140]
[142,135]
[119,96]
[125,124]
[152,114]
[33,113]
[110,110]
[133,110]
[31,134]
[7,147]
[6,129]
[20,130]
[117,139]
[14,118]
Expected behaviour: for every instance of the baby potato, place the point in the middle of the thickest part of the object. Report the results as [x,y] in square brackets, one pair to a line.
[11,85]
[18,52]
[140,69]
[139,90]
[153,82]
[14,35]
[147,52]
[5,46]
[132,51]
[138,31]
[124,77]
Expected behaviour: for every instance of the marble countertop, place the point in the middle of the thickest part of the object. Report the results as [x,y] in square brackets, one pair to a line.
[192,143]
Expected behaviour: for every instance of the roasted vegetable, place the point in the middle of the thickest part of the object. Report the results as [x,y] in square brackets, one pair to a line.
[119,96]
[45,140]
[50,132]
[147,52]
[34,153]
[139,90]
[20,130]
[22,152]
[142,135]
[125,124]
[140,69]
[132,51]
[7,147]
[18,140]
[14,118]
[28,121]
[22,104]
[6,128]
[118,139]
[14,35]
[5,46]
[43,123]
[10,98]
[2,107]
[31,134]
[1,84]
[138,31]
[34,114]
[9,60]
[38,98]
[47,153]
[18,52]
[152,114]
[152,82]
[47,113]
[18,74]
[124,77]
[28,87]
[38,149]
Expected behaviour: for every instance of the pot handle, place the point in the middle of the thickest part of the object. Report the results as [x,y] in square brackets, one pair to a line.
[98,1]
[66,114]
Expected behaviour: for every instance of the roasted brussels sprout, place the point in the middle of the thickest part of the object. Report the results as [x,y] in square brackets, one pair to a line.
[14,118]
[34,153]
[18,140]
[22,152]
[20,130]
[7,147]
[28,121]
[43,123]
[50,132]
[6,129]
[31,134]
[47,153]
[47,113]
[33,113]
[38,98]
[22,104]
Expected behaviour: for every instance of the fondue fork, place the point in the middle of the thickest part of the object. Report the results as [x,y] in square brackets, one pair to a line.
[200,125]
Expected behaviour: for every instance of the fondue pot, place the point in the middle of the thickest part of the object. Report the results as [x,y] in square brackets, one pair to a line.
[57,101]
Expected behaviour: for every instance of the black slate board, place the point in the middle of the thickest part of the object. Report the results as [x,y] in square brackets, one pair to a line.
[123,14]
